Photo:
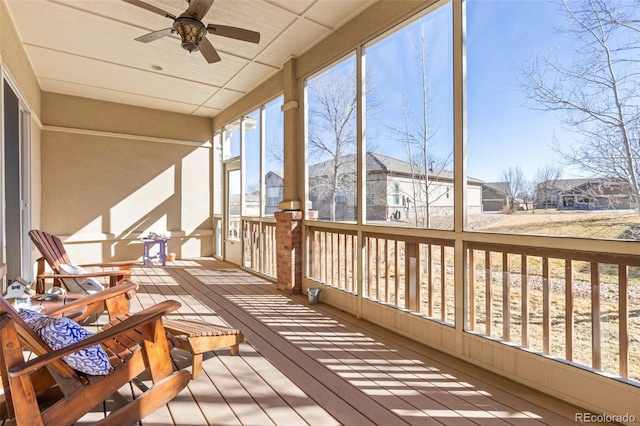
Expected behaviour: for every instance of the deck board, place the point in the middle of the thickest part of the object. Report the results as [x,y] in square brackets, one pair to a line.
[315,365]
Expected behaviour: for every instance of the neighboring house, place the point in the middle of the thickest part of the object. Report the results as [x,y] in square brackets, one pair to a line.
[495,196]
[274,188]
[251,205]
[585,194]
[393,192]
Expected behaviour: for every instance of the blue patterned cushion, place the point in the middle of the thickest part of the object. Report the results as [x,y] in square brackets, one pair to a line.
[61,332]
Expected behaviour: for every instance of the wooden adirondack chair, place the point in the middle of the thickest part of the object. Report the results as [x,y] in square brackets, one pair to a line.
[46,391]
[54,254]
[197,337]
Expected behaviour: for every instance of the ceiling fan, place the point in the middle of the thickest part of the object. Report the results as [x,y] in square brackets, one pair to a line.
[192,31]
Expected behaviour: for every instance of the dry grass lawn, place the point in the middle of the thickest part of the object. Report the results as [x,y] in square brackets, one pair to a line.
[607,225]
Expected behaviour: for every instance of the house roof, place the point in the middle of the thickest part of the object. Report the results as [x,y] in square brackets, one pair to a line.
[564,185]
[502,187]
[382,163]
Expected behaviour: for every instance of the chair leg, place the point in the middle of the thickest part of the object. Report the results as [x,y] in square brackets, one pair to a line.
[234,349]
[196,367]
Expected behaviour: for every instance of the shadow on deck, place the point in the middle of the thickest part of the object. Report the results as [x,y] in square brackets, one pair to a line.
[315,365]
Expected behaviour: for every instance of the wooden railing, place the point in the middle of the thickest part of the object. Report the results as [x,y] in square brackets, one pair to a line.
[569,304]
[333,257]
[260,246]
[409,273]
[580,306]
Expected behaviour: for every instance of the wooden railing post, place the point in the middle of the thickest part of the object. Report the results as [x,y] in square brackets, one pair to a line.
[412,276]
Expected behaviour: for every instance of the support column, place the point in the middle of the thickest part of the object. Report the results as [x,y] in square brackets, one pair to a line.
[289,220]
[289,251]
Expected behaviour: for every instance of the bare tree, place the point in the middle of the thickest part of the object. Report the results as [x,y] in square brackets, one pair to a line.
[332,133]
[515,184]
[546,180]
[597,94]
[416,130]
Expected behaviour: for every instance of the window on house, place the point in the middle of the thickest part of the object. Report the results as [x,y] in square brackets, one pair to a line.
[370,193]
[274,196]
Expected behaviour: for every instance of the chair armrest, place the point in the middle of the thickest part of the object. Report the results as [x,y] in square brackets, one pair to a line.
[87,275]
[135,321]
[99,297]
[119,264]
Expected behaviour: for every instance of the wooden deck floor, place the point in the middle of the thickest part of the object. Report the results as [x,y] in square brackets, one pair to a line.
[315,365]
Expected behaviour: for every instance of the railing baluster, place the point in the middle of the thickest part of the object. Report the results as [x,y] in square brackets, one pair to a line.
[316,255]
[354,261]
[397,273]
[443,284]
[378,268]
[471,293]
[568,295]
[546,307]
[338,262]
[325,255]
[418,280]
[430,278]
[506,299]
[368,292]
[387,271]
[488,292]
[345,261]
[623,314]
[596,354]
[524,288]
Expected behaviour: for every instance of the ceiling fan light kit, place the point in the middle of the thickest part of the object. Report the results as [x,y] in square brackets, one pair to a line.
[192,31]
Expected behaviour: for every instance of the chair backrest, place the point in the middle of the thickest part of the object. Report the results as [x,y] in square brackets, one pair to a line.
[51,248]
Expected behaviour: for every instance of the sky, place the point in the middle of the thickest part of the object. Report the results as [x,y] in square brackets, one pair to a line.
[501,131]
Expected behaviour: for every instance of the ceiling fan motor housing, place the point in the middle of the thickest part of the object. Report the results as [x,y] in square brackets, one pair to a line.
[191,32]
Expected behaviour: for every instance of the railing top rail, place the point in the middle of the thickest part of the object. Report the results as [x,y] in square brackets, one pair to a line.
[556,253]
[335,229]
[408,239]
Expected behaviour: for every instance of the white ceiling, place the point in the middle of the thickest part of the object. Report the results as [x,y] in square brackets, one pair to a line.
[86,48]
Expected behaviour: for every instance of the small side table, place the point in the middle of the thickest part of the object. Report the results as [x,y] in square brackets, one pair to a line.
[162,255]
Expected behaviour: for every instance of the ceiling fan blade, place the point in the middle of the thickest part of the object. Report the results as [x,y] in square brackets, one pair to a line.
[198,8]
[208,51]
[234,32]
[154,35]
[150,8]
